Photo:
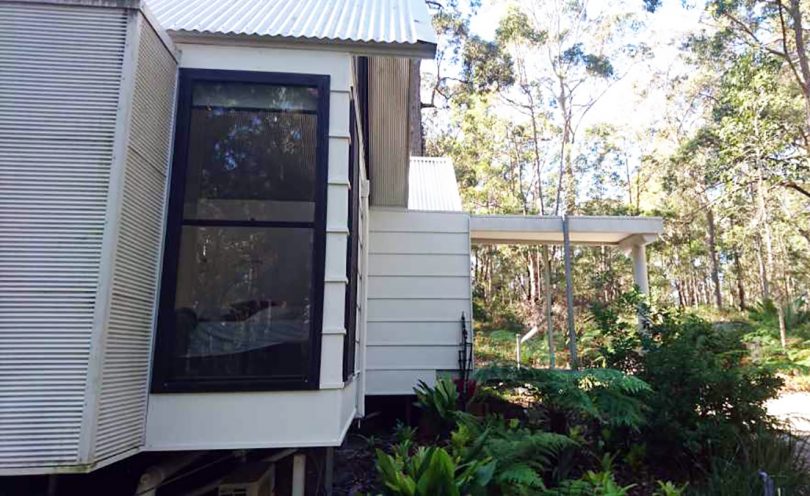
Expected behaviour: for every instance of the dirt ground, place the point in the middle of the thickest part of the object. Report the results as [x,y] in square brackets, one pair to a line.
[794,408]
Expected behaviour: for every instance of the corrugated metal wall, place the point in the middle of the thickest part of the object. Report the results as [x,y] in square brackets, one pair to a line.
[418,287]
[128,333]
[60,69]
[388,134]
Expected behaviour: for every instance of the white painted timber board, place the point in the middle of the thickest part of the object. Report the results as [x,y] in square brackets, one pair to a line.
[419,287]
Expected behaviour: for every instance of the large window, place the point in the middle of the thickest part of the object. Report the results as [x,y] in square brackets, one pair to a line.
[241,299]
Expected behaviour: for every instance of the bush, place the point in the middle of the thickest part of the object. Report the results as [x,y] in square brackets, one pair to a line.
[755,459]
[439,404]
[601,483]
[431,472]
[707,392]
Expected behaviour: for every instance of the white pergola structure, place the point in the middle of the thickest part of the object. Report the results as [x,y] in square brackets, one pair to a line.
[631,234]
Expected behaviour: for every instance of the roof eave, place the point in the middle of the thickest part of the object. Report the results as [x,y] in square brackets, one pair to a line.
[420,49]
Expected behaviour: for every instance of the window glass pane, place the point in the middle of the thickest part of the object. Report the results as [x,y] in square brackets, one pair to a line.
[251,153]
[242,306]
[254,96]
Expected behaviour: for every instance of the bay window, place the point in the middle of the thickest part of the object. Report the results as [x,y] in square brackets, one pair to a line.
[242,287]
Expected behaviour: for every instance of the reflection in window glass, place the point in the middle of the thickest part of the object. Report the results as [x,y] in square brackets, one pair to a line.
[242,302]
[251,153]
[244,259]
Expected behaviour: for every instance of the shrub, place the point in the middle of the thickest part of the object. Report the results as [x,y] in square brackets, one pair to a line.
[594,483]
[706,390]
[669,489]
[440,404]
[756,458]
[431,472]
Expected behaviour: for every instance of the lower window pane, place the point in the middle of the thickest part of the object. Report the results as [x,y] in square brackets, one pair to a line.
[242,304]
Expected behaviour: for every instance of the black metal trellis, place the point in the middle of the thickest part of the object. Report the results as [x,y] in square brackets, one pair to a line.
[465,355]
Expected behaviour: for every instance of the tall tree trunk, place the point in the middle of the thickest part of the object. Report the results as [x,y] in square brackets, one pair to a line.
[780,311]
[769,261]
[704,282]
[548,295]
[718,298]
[795,11]
[567,181]
[765,290]
[530,277]
[740,281]
[415,132]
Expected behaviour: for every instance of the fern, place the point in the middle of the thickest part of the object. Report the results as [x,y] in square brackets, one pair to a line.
[608,396]
[519,478]
[522,456]
[537,450]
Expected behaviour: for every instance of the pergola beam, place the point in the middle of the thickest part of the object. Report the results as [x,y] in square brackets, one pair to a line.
[548,230]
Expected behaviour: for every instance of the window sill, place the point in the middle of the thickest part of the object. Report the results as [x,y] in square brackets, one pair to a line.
[213,386]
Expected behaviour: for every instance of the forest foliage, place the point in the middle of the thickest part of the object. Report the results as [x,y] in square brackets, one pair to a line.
[720,152]
[680,410]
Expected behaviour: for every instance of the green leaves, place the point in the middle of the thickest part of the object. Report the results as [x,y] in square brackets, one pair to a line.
[595,64]
[432,472]
[486,66]
[515,26]
[608,396]
[441,403]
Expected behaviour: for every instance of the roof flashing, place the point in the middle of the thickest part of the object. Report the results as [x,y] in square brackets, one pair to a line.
[410,50]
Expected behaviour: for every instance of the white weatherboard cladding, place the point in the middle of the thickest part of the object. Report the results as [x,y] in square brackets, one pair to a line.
[418,288]
[278,418]
[59,89]
[128,332]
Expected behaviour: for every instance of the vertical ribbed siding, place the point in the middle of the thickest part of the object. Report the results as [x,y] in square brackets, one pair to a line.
[125,366]
[60,71]
[388,136]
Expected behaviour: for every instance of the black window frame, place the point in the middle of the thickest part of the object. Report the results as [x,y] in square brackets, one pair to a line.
[164,332]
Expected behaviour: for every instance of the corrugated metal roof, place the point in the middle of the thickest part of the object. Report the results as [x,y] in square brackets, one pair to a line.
[432,185]
[393,24]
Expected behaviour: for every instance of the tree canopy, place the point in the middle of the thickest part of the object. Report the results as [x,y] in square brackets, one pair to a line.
[714,137]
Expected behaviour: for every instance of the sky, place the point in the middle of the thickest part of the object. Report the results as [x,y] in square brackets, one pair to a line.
[665,30]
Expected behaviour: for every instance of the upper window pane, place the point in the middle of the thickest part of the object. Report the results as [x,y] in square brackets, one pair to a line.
[251,152]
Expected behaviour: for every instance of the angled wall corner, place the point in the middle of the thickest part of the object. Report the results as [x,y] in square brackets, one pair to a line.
[136,210]
[71,160]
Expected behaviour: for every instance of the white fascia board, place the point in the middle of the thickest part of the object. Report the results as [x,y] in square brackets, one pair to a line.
[584,230]
[420,50]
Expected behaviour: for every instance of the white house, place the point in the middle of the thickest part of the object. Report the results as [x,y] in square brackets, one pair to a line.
[212,235]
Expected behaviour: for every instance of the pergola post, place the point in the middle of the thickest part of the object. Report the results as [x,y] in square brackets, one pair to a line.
[639,255]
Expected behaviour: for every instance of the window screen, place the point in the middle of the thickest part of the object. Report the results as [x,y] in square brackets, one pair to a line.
[242,288]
